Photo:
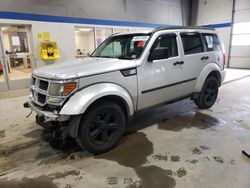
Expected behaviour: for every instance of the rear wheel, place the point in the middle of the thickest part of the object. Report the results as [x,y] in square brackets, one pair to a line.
[101,127]
[208,94]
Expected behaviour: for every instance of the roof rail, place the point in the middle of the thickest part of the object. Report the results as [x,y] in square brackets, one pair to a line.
[181,27]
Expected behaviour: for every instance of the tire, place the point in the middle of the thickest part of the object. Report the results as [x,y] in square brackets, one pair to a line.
[101,127]
[208,94]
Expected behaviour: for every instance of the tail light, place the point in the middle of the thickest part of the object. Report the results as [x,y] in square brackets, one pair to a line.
[224,60]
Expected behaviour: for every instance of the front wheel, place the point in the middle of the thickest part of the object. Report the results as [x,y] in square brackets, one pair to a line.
[101,127]
[208,94]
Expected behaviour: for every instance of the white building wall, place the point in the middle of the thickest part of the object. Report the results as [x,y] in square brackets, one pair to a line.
[63,34]
[214,11]
[146,11]
[167,12]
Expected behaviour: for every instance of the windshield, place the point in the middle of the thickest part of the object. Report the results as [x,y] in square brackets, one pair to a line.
[122,46]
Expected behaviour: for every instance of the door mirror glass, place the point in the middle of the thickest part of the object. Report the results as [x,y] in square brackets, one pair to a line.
[159,53]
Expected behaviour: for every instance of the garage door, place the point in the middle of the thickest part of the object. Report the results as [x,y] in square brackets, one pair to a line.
[240,46]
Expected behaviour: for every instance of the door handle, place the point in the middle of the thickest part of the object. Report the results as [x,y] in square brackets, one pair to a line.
[204,58]
[178,63]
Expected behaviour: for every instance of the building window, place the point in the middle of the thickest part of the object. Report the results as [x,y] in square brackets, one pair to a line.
[241,28]
[85,44]
[241,34]
[120,30]
[102,34]
[18,56]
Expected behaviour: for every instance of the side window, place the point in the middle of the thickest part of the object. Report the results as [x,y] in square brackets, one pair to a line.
[192,43]
[212,42]
[167,41]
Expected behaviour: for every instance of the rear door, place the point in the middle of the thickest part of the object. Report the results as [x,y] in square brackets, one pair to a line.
[195,56]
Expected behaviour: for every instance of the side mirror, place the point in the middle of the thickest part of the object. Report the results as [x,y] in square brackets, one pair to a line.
[158,53]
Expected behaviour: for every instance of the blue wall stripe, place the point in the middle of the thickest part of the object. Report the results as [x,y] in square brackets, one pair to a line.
[75,20]
[63,19]
[220,25]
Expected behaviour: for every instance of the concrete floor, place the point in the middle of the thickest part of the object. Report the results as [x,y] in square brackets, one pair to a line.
[172,146]
[18,73]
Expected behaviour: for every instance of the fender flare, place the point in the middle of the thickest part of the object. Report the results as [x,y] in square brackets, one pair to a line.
[203,75]
[80,101]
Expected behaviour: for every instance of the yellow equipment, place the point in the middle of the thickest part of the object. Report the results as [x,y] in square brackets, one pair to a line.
[49,50]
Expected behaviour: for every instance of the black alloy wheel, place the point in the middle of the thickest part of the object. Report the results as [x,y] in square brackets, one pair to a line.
[101,127]
[104,127]
[208,94]
[211,92]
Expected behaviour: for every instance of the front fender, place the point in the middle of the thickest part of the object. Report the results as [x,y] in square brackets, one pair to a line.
[81,100]
[203,75]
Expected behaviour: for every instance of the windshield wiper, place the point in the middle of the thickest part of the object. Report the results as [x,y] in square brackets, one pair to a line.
[104,56]
[124,58]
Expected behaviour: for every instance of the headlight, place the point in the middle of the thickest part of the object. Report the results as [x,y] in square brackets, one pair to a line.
[61,89]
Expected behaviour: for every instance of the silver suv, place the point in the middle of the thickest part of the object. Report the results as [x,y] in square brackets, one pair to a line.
[93,100]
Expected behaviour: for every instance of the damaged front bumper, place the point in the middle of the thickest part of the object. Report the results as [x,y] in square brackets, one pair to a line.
[47,116]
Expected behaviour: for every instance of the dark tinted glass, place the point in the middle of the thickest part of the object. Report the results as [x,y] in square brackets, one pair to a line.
[212,42]
[191,43]
[167,41]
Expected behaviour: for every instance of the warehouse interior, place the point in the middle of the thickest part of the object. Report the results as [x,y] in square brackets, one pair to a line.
[175,145]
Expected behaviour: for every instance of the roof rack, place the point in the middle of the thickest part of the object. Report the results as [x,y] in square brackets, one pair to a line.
[181,27]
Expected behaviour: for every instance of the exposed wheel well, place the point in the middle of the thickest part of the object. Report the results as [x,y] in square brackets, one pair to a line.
[215,74]
[118,100]
[75,120]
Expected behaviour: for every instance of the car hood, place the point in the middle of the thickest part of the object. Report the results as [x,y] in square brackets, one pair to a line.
[81,68]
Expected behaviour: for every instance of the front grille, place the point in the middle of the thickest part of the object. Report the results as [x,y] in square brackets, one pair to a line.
[33,81]
[43,85]
[41,98]
[39,90]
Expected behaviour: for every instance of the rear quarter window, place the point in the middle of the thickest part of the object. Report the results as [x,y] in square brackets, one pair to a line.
[211,42]
[192,43]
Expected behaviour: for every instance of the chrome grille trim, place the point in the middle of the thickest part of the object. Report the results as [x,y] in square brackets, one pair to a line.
[39,91]
[41,98]
[36,88]
[33,82]
[43,85]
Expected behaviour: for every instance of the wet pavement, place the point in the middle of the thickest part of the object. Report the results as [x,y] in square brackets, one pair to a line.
[176,145]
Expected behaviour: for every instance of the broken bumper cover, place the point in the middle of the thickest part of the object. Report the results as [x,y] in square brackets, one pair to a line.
[48,116]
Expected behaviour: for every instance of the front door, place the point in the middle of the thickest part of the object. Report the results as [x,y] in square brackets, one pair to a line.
[165,79]
[16,56]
